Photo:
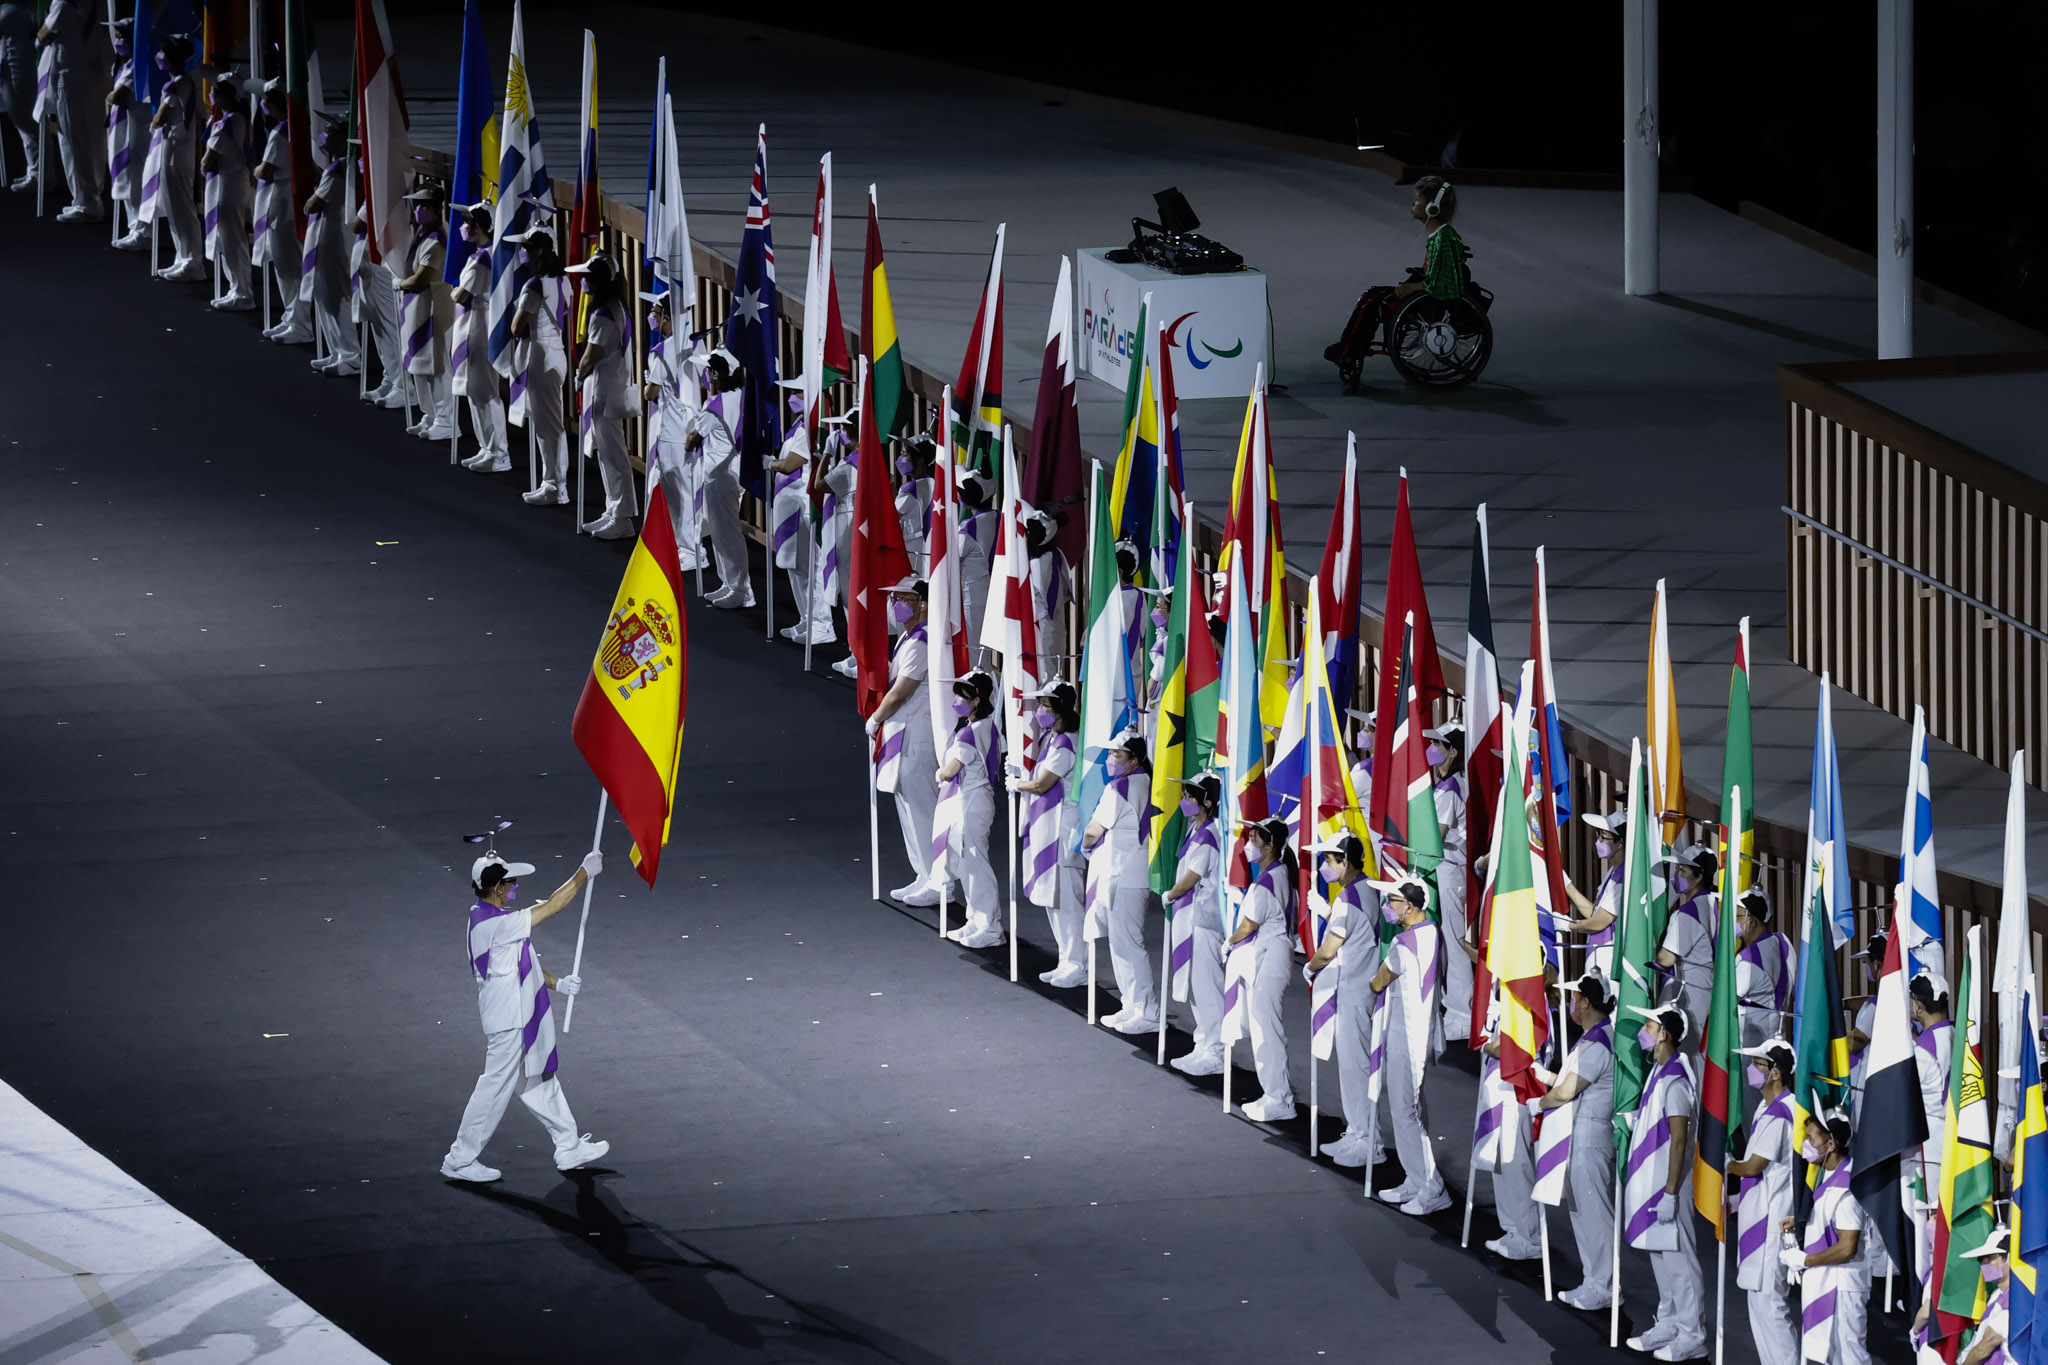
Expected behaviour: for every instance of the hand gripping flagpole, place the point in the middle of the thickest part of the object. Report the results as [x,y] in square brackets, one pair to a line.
[576,965]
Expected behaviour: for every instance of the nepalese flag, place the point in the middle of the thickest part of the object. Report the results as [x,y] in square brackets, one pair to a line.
[1054,481]
[1514,949]
[1667,777]
[1921,922]
[1720,1117]
[1891,1124]
[1131,493]
[475,177]
[1184,741]
[976,411]
[1339,581]
[2029,1242]
[751,329]
[386,134]
[524,190]
[629,720]
[1009,624]
[1240,732]
[537,1034]
[878,341]
[1405,596]
[1964,1218]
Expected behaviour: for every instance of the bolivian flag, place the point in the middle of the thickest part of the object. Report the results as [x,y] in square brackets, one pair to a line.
[878,335]
[629,720]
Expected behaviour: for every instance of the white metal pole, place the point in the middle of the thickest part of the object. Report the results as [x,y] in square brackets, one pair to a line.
[114,207]
[1165,999]
[576,966]
[43,165]
[1315,1094]
[808,619]
[1894,179]
[1640,134]
[156,234]
[945,905]
[533,461]
[577,417]
[1013,883]
[768,549]
[1720,1291]
[363,349]
[267,278]
[1614,1270]
[1091,971]
[454,424]
[1230,1065]
[1373,1084]
[1543,1235]
[874,827]
[1472,1171]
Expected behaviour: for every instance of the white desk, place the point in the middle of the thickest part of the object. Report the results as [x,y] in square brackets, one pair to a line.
[1216,325]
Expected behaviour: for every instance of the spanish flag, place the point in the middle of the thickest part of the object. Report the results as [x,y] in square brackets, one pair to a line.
[629,721]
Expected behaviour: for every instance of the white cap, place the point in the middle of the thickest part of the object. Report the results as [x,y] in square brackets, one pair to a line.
[1612,823]
[1402,885]
[1766,1047]
[1994,1245]
[511,872]
[1658,1012]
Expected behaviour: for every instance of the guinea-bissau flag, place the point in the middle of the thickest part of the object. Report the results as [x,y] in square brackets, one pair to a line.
[878,335]
[1186,739]
[629,720]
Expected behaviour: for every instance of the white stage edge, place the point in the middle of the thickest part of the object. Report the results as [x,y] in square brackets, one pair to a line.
[94,1267]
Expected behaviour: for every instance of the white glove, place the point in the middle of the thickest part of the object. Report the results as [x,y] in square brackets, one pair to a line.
[1308,974]
[873,725]
[1535,1107]
[1792,1258]
[593,863]
[1667,1207]
[569,985]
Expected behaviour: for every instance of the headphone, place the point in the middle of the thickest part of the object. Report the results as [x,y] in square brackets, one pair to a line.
[1437,202]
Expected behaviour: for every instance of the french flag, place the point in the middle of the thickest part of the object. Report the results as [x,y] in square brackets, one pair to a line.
[1890,1122]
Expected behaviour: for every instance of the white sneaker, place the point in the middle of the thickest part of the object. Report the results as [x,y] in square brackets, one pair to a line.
[134,241]
[848,667]
[475,1172]
[1350,1151]
[1683,1349]
[391,398]
[234,303]
[1069,976]
[1422,1205]
[1265,1109]
[1047,977]
[1112,1020]
[921,895]
[182,271]
[982,938]
[618,528]
[1400,1194]
[481,462]
[1512,1248]
[1588,1297]
[549,494]
[738,600]
[582,1154]
[1201,1062]
[1145,1023]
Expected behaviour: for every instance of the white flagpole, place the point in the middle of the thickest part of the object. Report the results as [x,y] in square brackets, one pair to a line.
[269,269]
[114,223]
[874,824]
[156,224]
[1372,1108]
[454,424]
[1165,975]
[1614,1271]
[533,472]
[363,347]
[1230,1065]
[1472,1174]
[576,966]
[1086,928]
[1013,887]
[768,477]
[43,167]
[1720,1287]
[945,900]
[1543,1235]
[809,615]
[1315,1099]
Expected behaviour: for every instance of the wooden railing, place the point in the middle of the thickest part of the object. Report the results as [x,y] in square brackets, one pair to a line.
[1598,769]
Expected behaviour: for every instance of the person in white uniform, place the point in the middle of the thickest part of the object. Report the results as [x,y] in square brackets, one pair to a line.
[903,721]
[794,537]
[1987,1344]
[1830,1251]
[127,137]
[1586,1084]
[1445,755]
[1407,984]
[324,276]
[427,316]
[1765,1201]
[1119,882]
[975,542]
[471,376]
[604,374]
[519,1028]
[715,445]
[78,93]
[1933,1038]
[542,360]
[229,191]
[967,796]
[375,301]
[1051,867]
[1514,1179]
[1658,1200]
[1351,940]
[913,465]
[670,397]
[1259,959]
[18,62]
[1194,894]
[1687,951]
[177,117]
[1764,960]
[1596,917]
[275,231]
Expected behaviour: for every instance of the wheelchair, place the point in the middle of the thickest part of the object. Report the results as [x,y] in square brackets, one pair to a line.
[1434,343]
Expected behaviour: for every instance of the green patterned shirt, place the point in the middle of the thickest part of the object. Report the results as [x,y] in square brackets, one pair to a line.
[1443,264]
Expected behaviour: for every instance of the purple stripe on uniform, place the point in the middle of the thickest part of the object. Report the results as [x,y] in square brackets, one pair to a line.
[892,745]
[1323,1015]
[419,339]
[1487,1125]
[1551,1158]
[1819,1312]
[518,387]
[1752,1239]
[312,246]
[1183,954]
[213,203]
[461,350]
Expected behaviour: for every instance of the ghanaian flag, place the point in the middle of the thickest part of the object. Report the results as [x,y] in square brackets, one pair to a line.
[878,334]
[629,720]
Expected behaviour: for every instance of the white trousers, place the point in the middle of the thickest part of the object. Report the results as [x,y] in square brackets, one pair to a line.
[608,448]
[231,248]
[917,792]
[29,137]
[1589,1186]
[1680,1321]
[504,1076]
[1205,984]
[285,261]
[1124,926]
[433,395]
[1266,992]
[1850,1344]
[487,416]
[1514,1186]
[1409,1118]
[968,856]
[729,548]
[1457,966]
[338,333]
[1774,1315]
[188,233]
[1066,913]
[380,306]
[544,429]
[1354,1065]
[82,140]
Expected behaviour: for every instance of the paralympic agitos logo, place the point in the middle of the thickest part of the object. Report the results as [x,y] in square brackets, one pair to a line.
[1102,330]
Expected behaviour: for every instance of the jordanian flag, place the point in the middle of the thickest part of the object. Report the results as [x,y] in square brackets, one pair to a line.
[878,335]
[1185,742]
[1644,908]
[1965,1217]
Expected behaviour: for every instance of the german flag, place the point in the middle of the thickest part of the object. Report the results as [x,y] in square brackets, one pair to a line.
[629,720]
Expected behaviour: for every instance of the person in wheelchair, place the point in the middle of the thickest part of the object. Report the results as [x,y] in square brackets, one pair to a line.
[1459,347]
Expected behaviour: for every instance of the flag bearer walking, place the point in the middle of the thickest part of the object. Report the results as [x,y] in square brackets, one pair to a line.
[1052,863]
[1765,1201]
[1352,941]
[1194,894]
[1657,1189]
[519,1027]
[1262,956]
[1408,984]
[1119,881]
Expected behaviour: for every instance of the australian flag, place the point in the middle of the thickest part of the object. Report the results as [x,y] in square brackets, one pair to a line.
[750,331]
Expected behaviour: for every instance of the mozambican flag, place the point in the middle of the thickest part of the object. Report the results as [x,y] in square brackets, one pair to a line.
[629,721]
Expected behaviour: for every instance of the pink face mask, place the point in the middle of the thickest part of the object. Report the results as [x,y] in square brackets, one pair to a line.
[1044,718]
